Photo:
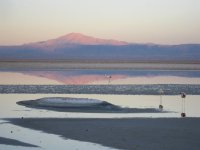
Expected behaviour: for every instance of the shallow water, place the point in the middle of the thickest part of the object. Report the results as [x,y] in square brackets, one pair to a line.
[42,140]
[9,109]
[99,76]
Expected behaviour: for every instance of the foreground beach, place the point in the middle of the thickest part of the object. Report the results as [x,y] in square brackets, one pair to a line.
[132,133]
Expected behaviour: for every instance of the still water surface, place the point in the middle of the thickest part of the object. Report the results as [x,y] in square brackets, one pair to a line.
[9,109]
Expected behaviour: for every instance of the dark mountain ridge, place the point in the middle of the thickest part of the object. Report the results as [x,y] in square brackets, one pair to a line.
[76,46]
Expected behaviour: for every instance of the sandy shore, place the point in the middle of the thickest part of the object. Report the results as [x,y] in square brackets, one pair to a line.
[136,133]
[13,142]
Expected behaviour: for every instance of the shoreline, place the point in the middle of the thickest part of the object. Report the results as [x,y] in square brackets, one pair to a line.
[170,89]
[133,133]
[102,61]
[65,65]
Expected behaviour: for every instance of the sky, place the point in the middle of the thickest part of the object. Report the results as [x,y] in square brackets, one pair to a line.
[136,21]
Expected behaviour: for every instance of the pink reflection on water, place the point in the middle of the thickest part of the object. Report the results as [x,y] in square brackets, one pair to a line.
[41,77]
[77,79]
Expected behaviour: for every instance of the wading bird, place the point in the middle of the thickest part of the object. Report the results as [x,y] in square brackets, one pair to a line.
[108,77]
[183,96]
[161,93]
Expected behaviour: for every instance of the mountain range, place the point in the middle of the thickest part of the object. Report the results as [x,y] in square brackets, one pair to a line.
[76,46]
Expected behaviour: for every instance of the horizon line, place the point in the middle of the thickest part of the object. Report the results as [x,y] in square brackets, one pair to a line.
[128,43]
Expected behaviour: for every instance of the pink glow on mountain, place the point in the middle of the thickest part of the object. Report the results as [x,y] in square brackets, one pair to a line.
[78,38]
[74,39]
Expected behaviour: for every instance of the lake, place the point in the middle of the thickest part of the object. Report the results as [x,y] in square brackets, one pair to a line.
[9,109]
[156,78]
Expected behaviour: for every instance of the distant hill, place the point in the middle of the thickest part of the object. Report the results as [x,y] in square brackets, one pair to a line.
[76,46]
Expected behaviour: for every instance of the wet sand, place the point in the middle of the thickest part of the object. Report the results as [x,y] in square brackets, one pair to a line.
[135,133]
[13,142]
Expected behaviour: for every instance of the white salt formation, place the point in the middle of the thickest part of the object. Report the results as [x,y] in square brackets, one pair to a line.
[68,102]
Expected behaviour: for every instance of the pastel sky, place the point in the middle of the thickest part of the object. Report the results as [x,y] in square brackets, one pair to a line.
[138,21]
